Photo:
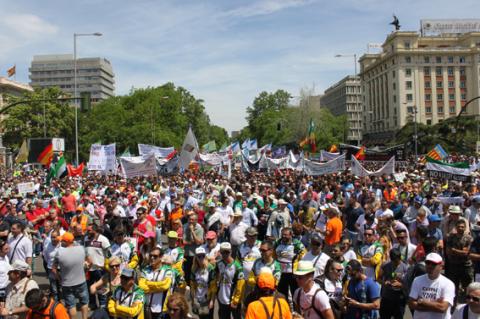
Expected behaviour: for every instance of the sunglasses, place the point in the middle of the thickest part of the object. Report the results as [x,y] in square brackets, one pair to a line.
[115,266]
[200,256]
[337,269]
[472,298]
[431,263]
[368,235]
[155,256]
[264,250]
[313,243]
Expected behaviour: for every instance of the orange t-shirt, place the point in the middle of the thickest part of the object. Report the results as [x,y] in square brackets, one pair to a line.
[334,227]
[255,309]
[60,312]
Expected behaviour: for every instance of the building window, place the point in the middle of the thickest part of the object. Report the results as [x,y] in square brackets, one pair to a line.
[409,97]
[428,97]
[461,59]
[428,84]
[393,73]
[408,85]
[438,59]
[408,59]
[426,59]
[410,109]
[451,97]
[450,59]
[462,71]
[408,72]
[406,44]
[462,84]
[450,70]
[439,84]
[429,122]
[428,109]
[440,97]
[438,70]
[463,96]
[394,85]
[426,70]
[452,109]
[440,109]
[451,84]
[394,99]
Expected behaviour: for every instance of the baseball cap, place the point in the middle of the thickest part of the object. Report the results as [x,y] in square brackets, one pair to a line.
[304,267]
[128,272]
[434,218]
[225,246]
[434,258]
[20,265]
[211,235]
[200,251]
[67,237]
[172,234]
[418,199]
[251,231]
[266,281]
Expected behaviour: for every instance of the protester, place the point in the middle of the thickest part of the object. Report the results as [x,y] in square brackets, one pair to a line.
[471,309]
[41,306]
[127,299]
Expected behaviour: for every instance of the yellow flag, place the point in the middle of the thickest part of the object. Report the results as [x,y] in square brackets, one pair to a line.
[22,153]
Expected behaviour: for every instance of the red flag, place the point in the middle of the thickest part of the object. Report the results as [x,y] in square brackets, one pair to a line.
[171,155]
[11,72]
[360,154]
[75,171]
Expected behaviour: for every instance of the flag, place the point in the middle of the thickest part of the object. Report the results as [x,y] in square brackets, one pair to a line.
[333,149]
[310,140]
[189,150]
[360,154]
[171,155]
[437,153]
[57,169]
[235,148]
[450,171]
[22,153]
[253,146]
[224,147]
[46,156]
[11,72]
[75,171]
[210,147]
[246,144]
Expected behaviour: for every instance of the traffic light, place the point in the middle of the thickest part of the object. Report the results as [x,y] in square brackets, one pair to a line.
[85,101]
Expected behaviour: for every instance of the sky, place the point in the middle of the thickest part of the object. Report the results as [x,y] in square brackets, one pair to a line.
[224,52]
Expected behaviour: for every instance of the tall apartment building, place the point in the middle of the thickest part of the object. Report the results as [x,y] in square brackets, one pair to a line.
[345,97]
[94,75]
[434,75]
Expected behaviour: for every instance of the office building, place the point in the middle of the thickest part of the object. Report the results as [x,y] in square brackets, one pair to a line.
[418,76]
[345,97]
[94,75]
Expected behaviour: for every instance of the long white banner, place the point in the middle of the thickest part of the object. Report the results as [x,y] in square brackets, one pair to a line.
[360,171]
[102,158]
[145,149]
[330,167]
[139,166]
[327,156]
[273,163]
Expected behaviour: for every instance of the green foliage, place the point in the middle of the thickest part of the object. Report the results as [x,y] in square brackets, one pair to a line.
[272,120]
[25,121]
[159,116]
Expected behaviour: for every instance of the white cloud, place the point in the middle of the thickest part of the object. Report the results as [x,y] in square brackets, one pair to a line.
[265,7]
[28,25]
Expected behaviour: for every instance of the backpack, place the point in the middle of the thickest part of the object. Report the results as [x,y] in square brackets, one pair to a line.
[51,313]
[297,303]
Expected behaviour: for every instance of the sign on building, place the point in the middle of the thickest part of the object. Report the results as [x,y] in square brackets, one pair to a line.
[431,27]
[58,144]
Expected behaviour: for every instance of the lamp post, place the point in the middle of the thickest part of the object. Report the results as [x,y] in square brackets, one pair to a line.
[415,131]
[75,35]
[354,56]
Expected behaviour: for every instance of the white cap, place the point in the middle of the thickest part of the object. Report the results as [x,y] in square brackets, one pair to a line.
[225,246]
[200,251]
[434,258]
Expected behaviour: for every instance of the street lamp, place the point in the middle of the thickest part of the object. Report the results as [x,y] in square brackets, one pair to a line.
[354,56]
[75,35]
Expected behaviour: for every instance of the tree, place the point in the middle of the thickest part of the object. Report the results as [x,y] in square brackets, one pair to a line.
[27,120]
[159,116]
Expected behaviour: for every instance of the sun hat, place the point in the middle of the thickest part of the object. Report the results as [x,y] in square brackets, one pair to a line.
[304,267]
[454,209]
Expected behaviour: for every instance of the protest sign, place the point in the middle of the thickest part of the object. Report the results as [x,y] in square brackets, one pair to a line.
[102,158]
[330,167]
[24,188]
[145,149]
[139,166]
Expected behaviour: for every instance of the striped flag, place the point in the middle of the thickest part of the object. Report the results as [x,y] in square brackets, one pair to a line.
[437,153]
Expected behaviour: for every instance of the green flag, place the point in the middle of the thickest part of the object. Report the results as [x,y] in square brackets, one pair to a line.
[57,169]
[210,147]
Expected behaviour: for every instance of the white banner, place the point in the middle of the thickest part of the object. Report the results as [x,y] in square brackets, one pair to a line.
[145,149]
[139,166]
[294,162]
[213,159]
[273,163]
[358,170]
[333,166]
[327,156]
[102,158]
[24,188]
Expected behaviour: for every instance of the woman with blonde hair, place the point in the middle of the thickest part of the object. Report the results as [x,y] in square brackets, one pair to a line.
[111,280]
[177,307]
[201,294]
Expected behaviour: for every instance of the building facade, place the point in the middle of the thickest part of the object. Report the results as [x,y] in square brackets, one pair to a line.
[418,78]
[345,97]
[94,75]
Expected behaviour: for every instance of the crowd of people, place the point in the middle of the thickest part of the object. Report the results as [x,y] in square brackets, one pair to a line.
[259,245]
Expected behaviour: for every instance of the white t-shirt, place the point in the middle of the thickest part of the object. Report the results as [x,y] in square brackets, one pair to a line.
[321,301]
[319,261]
[349,255]
[96,249]
[226,213]
[4,268]
[427,289]
[458,313]
[23,250]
